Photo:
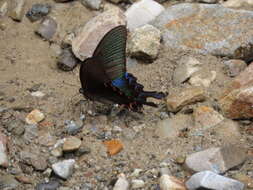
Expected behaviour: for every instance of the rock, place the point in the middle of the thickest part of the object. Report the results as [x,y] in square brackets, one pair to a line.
[142,12]
[16,127]
[31,133]
[136,172]
[237,100]
[3,151]
[23,179]
[177,101]
[206,117]
[67,60]
[87,40]
[38,11]
[113,146]
[167,182]
[47,28]
[122,183]
[72,128]
[46,139]
[17,12]
[137,183]
[238,104]
[34,117]
[237,3]
[228,131]
[3,8]
[51,185]
[186,67]
[218,160]
[203,79]
[38,94]
[71,144]
[57,152]
[182,28]
[36,160]
[144,43]
[92,4]
[8,182]
[234,67]
[64,169]
[171,127]
[211,180]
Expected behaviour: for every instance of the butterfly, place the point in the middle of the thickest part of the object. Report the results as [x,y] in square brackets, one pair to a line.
[104,77]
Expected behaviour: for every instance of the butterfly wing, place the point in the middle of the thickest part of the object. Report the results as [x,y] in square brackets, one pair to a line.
[111,52]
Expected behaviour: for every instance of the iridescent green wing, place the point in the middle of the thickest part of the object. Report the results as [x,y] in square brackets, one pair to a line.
[111,52]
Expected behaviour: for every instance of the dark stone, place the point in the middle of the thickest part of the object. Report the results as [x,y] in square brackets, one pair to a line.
[52,185]
[38,11]
[67,60]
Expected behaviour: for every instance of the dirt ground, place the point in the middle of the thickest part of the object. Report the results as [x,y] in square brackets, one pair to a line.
[27,61]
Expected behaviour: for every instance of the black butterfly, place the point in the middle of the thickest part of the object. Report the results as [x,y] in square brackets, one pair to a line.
[104,78]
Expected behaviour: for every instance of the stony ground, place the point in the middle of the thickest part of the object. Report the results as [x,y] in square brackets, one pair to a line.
[28,64]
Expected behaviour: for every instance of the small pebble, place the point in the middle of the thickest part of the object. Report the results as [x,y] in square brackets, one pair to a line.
[64,169]
[38,11]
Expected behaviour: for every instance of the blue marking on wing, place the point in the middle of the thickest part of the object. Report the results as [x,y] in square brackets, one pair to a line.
[120,82]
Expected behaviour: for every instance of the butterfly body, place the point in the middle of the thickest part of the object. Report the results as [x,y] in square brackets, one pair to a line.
[104,77]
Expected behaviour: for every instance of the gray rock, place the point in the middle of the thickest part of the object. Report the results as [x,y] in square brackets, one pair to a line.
[186,67]
[218,160]
[171,127]
[67,60]
[31,132]
[8,182]
[87,40]
[122,183]
[64,169]
[16,127]
[3,151]
[211,180]
[52,185]
[17,12]
[228,131]
[234,67]
[144,43]
[47,28]
[142,12]
[38,161]
[72,128]
[92,4]
[137,183]
[208,29]
[38,11]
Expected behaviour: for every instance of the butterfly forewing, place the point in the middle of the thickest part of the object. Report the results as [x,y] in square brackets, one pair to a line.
[111,52]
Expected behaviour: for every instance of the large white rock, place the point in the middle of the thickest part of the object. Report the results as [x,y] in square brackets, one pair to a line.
[211,180]
[142,12]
